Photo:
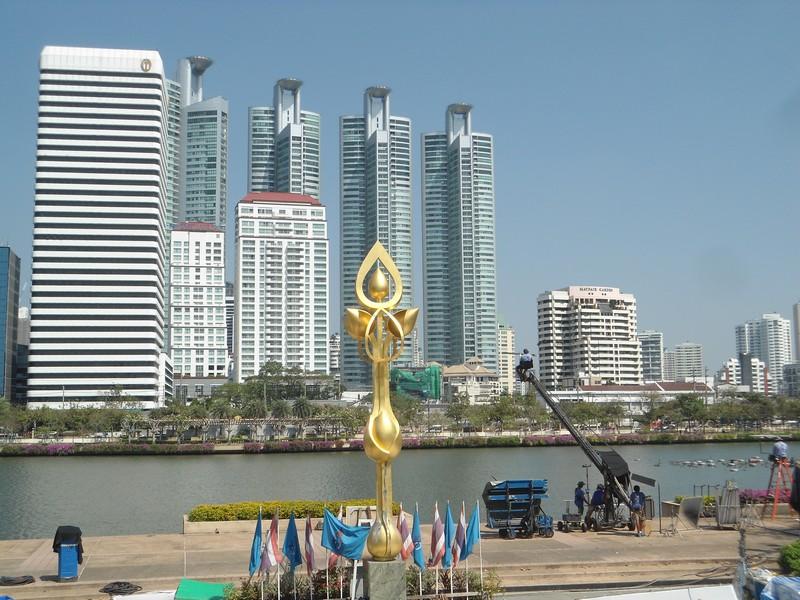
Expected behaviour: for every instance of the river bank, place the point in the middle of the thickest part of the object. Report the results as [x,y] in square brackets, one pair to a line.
[23,448]
[573,561]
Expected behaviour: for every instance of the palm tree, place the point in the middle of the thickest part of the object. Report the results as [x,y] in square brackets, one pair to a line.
[279,408]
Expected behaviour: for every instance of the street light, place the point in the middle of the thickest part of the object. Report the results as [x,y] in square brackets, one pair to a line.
[586,468]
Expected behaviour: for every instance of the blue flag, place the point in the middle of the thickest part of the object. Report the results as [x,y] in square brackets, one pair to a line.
[291,545]
[416,537]
[449,534]
[341,539]
[255,549]
[473,533]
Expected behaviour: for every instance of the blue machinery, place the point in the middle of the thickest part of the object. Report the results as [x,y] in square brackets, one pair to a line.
[515,508]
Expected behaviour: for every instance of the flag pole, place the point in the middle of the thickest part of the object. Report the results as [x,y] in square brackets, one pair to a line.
[466,571]
[451,579]
[327,585]
[279,581]
[480,545]
[294,585]
[437,579]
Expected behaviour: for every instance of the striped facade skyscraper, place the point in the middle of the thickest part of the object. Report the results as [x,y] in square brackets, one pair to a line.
[375,187]
[97,297]
[283,144]
[458,229]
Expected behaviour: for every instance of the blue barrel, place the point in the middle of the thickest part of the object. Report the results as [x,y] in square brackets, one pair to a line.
[67,562]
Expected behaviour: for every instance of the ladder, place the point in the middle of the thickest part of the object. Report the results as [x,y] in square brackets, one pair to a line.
[780,483]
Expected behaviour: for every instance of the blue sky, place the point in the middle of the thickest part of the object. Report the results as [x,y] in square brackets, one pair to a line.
[651,146]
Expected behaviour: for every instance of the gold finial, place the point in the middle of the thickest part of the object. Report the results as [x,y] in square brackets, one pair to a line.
[381,335]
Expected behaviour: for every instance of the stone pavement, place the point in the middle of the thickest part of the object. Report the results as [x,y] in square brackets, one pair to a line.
[575,559]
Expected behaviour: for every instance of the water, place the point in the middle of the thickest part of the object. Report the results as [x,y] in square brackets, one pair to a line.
[128,494]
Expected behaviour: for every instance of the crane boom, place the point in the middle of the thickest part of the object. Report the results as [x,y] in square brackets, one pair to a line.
[612,482]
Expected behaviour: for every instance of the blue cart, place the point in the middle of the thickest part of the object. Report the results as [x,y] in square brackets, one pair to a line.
[514,507]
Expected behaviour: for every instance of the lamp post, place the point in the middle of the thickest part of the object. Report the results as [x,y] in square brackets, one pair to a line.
[380,334]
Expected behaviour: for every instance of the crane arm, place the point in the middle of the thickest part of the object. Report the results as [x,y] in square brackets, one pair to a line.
[616,488]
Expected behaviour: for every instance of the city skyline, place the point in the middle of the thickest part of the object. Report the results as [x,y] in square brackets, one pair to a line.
[706,287]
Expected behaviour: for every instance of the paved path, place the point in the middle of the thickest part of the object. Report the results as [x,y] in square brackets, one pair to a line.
[160,560]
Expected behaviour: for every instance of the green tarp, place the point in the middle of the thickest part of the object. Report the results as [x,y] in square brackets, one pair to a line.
[200,590]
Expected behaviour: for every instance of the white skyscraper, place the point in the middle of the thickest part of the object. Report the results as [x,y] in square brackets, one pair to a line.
[652,355]
[283,144]
[669,365]
[746,372]
[197,289]
[796,331]
[769,339]
[204,147]
[506,358]
[588,334]
[281,283]
[458,227]
[689,363]
[335,351]
[97,312]
[174,141]
[375,180]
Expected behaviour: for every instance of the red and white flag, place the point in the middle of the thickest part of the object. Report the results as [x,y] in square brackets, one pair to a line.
[309,547]
[437,538]
[271,556]
[405,535]
[334,558]
[461,537]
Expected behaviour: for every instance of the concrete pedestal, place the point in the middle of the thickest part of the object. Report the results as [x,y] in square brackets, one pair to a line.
[385,580]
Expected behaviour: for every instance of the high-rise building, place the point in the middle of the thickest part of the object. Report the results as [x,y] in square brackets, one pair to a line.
[230,315]
[335,350]
[652,355]
[197,292]
[506,357]
[689,362]
[9,311]
[769,339]
[416,350]
[174,141]
[23,344]
[746,372]
[97,297]
[458,231]
[791,379]
[281,283]
[203,148]
[283,144]
[669,365]
[796,330]
[587,334]
[375,182]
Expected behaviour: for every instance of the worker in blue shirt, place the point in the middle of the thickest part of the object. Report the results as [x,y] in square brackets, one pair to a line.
[780,451]
[597,503]
[637,510]
[581,497]
[525,363]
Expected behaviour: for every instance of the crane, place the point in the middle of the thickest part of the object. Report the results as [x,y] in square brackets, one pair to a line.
[613,468]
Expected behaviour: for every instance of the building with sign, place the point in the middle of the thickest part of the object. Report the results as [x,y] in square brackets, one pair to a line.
[587,335]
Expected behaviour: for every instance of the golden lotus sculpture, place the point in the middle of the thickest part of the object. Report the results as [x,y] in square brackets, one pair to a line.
[380,334]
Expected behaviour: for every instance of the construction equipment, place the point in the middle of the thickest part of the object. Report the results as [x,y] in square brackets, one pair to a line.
[514,507]
[613,468]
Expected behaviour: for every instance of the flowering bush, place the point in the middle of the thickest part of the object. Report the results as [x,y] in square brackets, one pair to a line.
[248,511]
[759,496]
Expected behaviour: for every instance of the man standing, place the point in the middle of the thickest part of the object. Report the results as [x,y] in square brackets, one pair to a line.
[637,510]
[525,363]
[780,451]
[597,504]
[581,497]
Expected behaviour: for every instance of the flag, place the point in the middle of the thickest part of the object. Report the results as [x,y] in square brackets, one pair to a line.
[334,558]
[437,538]
[449,533]
[461,534]
[291,545]
[416,537]
[473,533]
[271,556]
[255,549]
[309,547]
[405,535]
[341,539]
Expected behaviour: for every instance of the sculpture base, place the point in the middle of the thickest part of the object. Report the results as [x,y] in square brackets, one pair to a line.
[385,580]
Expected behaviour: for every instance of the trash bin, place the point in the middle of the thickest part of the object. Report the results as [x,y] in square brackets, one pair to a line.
[68,562]
[68,545]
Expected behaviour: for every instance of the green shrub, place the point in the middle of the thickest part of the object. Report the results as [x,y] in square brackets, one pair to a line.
[789,558]
[248,511]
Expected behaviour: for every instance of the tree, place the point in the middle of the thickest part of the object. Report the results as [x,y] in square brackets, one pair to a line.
[691,409]
[457,408]
[279,409]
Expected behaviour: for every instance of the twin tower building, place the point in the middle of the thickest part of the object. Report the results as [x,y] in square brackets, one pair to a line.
[128,286]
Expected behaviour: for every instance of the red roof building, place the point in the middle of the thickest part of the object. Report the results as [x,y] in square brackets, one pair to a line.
[280,197]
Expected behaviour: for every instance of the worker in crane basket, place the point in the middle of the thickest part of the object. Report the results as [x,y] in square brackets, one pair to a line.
[525,363]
